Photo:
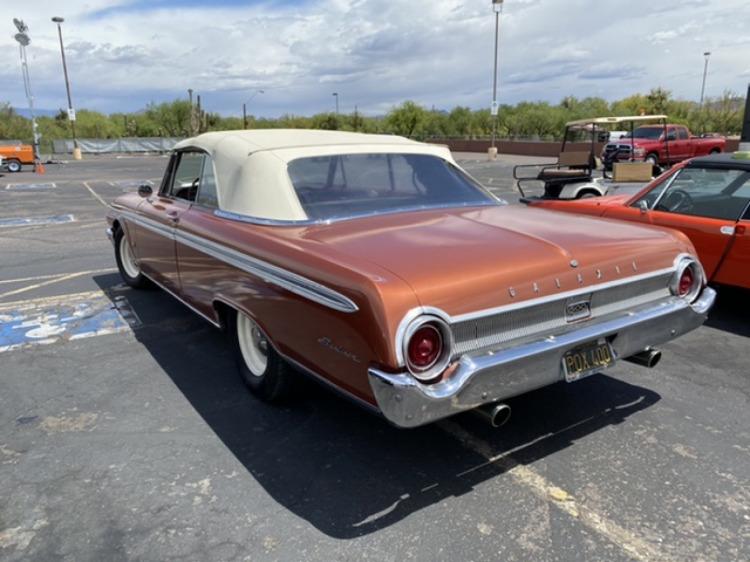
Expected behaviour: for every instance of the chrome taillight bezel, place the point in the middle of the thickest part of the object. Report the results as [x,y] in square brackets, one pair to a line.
[432,371]
[699,278]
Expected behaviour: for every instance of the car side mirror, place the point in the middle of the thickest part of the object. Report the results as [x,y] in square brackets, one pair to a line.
[144,190]
[643,206]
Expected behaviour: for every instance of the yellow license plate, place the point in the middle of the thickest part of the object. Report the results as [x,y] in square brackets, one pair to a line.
[587,359]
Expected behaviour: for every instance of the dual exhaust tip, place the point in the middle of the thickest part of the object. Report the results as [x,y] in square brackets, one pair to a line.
[498,414]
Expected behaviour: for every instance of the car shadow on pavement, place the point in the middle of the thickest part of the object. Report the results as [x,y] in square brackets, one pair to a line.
[344,470]
[731,311]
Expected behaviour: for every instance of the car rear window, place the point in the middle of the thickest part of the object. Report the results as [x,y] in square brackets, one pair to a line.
[349,185]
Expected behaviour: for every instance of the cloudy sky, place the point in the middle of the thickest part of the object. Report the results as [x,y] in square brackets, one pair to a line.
[123,54]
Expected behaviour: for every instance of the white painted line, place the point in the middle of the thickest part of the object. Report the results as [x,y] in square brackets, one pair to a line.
[62,277]
[95,194]
[628,541]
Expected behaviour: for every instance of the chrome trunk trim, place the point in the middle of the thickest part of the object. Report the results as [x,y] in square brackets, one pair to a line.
[492,376]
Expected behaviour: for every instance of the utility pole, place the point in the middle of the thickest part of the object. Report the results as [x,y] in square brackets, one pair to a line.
[23,41]
[244,107]
[200,114]
[336,95]
[706,55]
[497,7]
[191,124]
[71,112]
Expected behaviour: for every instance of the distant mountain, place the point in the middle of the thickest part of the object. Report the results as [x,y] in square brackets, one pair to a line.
[24,112]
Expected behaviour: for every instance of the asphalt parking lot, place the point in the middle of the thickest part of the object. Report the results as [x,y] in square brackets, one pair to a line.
[125,432]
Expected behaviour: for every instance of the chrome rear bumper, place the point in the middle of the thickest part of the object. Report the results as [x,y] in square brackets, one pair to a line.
[490,376]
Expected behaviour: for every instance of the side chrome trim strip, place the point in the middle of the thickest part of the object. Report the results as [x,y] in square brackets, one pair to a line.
[278,276]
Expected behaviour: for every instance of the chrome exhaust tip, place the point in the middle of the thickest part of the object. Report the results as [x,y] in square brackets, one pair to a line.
[496,414]
[647,358]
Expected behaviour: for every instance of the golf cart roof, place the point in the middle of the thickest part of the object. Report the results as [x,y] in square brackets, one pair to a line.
[612,120]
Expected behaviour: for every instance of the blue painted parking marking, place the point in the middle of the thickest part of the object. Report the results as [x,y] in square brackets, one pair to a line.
[64,318]
[34,221]
[30,186]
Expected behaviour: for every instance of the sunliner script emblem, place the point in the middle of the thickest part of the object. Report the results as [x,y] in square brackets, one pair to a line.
[326,342]
[577,309]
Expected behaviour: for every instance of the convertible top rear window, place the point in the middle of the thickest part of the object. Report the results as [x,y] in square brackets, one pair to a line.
[340,186]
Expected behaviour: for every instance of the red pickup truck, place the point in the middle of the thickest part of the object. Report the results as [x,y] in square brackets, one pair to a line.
[648,144]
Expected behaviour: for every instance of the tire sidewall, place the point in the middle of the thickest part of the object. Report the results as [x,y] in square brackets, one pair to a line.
[267,386]
[139,280]
[13,166]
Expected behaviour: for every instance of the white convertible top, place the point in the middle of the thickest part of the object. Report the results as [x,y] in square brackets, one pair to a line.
[251,166]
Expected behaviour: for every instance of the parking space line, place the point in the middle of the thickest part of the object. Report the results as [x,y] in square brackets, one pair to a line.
[58,279]
[629,542]
[95,194]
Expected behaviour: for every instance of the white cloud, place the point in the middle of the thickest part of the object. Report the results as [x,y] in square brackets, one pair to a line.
[375,53]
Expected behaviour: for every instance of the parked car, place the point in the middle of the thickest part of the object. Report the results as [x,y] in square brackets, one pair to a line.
[660,145]
[14,156]
[707,198]
[378,266]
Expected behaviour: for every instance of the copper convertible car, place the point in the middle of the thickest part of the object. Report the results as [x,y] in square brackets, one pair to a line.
[378,266]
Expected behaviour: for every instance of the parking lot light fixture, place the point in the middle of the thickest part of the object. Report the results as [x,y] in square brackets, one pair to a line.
[497,8]
[71,112]
[23,41]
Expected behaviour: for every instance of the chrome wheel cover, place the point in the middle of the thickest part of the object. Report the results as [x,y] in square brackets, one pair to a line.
[127,259]
[253,345]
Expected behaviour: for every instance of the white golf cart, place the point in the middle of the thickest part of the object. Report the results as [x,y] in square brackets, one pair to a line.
[573,175]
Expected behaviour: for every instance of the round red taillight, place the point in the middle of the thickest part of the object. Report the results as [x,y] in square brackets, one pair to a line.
[687,281]
[425,347]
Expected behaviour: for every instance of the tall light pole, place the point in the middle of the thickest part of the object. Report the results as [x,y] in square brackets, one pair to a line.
[23,41]
[497,8]
[336,95]
[71,112]
[706,55]
[244,108]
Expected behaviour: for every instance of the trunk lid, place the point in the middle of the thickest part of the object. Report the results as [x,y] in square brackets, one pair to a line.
[464,260]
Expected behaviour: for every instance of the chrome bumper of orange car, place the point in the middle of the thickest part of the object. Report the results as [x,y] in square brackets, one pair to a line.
[490,376]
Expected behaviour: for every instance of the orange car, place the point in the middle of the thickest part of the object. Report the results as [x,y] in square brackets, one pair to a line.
[706,198]
[376,265]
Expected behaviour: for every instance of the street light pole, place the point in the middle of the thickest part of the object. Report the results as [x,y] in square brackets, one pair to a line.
[71,112]
[23,41]
[244,107]
[336,95]
[707,54]
[497,7]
